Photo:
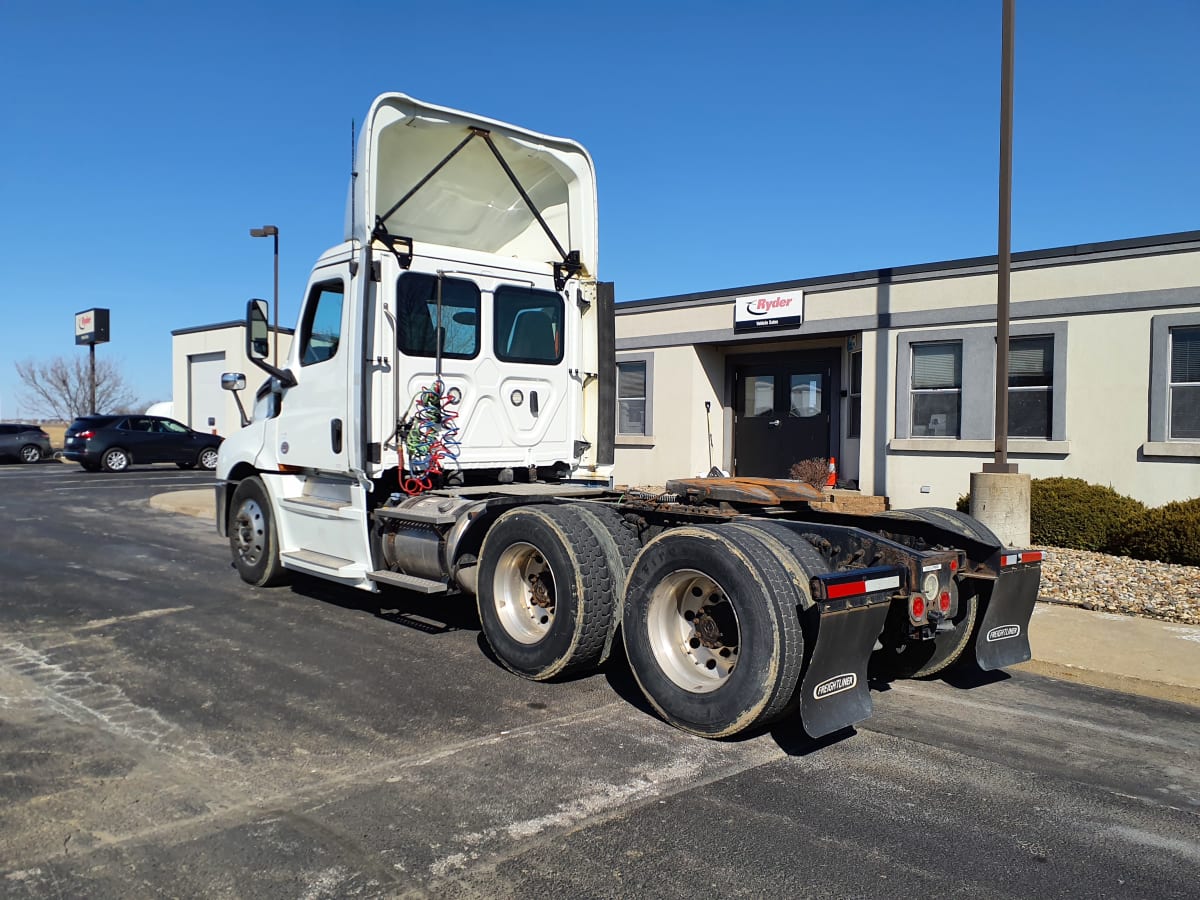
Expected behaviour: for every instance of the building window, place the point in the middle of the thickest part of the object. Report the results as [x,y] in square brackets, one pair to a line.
[936,388]
[321,330]
[631,398]
[1031,386]
[854,428]
[1184,386]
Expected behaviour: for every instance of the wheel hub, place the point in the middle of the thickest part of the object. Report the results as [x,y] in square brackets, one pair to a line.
[694,630]
[524,593]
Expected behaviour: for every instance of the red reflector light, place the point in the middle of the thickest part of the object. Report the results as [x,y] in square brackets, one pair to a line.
[944,601]
[953,565]
[918,606]
[1035,556]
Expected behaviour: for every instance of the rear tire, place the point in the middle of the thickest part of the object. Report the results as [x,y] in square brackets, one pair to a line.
[712,631]
[115,460]
[926,659]
[207,459]
[621,546]
[546,595]
[253,538]
[31,453]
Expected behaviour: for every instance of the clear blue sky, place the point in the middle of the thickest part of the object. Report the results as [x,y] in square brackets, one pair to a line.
[735,143]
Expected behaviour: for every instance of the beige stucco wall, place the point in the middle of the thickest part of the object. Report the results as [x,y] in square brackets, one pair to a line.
[230,340]
[684,377]
[1106,394]
[1108,373]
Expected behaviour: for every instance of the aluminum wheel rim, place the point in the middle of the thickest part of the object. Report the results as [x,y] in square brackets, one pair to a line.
[249,532]
[116,460]
[30,454]
[693,629]
[208,459]
[524,593]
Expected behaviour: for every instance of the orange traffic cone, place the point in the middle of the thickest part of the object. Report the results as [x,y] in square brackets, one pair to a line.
[831,481]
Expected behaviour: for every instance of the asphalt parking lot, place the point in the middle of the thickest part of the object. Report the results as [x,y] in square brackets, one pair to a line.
[166,730]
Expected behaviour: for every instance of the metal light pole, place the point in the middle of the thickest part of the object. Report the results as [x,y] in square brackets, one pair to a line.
[1000,494]
[1004,255]
[272,231]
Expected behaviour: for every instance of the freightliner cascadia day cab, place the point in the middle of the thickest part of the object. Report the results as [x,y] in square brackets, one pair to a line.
[444,423]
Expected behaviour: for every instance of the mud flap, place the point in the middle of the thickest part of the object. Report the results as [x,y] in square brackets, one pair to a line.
[1003,637]
[834,686]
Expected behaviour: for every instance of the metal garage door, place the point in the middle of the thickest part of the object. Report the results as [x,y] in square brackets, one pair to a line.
[206,400]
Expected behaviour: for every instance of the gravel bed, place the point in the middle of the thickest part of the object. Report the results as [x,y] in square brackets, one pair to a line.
[1118,584]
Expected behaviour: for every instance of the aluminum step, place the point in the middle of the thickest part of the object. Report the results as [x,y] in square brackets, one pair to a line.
[408,582]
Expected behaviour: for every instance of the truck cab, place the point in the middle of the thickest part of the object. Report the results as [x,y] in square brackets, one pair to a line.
[456,335]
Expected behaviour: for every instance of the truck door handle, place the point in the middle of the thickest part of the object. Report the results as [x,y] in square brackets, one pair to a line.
[533,402]
[335,435]
[774,423]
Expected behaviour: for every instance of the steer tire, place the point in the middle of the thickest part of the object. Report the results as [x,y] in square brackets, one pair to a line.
[546,594]
[253,537]
[712,630]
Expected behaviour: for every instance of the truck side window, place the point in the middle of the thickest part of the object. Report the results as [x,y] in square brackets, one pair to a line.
[417,306]
[529,325]
[321,329]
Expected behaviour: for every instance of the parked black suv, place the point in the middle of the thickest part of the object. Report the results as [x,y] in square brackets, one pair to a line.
[114,443]
[28,443]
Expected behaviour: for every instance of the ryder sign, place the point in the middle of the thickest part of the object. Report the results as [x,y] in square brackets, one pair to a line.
[768,311]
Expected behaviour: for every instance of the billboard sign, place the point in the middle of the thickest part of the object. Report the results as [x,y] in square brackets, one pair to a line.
[768,311]
[91,326]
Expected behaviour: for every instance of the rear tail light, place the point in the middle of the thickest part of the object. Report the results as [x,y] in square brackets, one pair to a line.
[86,434]
[917,606]
[944,601]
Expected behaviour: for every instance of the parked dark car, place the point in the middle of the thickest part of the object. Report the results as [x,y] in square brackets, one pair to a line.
[114,443]
[28,443]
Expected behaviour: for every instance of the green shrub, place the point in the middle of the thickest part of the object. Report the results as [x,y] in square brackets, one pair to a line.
[964,503]
[1069,512]
[1168,533]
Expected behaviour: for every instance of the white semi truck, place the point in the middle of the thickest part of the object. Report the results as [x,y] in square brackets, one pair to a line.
[444,423]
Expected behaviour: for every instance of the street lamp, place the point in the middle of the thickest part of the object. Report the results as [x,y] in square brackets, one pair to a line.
[272,232]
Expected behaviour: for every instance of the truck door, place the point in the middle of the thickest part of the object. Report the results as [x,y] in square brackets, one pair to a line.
[312,426]
[502,351]
[529,343]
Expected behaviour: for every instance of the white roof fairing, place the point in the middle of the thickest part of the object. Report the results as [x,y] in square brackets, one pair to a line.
[470,202]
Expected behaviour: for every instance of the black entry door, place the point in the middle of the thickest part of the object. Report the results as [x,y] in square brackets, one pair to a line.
[783,413]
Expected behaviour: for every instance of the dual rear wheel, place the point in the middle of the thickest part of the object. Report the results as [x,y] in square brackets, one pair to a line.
[709,615]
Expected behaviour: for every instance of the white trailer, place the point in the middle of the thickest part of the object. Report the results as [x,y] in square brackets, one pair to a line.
[445,421]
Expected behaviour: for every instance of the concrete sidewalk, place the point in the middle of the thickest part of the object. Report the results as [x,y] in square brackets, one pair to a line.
[1147,657]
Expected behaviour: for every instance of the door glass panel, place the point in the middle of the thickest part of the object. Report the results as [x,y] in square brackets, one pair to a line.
[322,327]
[528,325]
[759,399]
[805,396]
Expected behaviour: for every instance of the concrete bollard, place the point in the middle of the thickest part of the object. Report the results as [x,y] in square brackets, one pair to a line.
[1000,500]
